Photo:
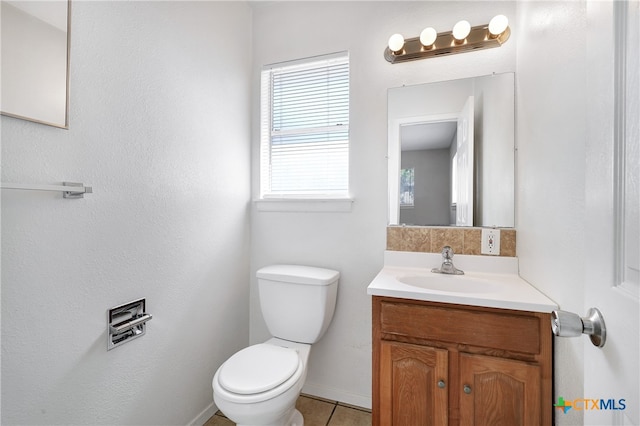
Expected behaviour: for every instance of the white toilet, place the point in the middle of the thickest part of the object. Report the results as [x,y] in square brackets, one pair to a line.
[259,385]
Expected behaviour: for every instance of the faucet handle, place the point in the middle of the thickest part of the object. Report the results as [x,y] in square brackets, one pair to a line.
[447,252]
[447,264]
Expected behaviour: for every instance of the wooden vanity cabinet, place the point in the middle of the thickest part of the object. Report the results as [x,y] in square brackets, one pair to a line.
[447,364]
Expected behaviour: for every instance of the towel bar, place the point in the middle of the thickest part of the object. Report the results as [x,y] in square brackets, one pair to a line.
[68,189]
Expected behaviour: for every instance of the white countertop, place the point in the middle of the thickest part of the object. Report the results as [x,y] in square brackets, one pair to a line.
[496,278]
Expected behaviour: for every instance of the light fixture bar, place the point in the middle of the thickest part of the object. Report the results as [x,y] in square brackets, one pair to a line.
[479,38]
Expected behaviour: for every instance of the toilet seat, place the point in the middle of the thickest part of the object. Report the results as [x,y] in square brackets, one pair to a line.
[258,368]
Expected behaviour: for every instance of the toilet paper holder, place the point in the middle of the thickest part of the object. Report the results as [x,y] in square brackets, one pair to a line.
[568,324]
[126,322]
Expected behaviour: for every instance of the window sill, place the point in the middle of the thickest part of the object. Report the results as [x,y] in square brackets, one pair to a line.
[328,205]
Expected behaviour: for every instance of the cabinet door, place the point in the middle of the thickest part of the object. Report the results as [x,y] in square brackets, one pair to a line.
[413,385]
[499,392]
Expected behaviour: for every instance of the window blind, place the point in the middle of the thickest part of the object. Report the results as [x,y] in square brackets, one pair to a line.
[305,128]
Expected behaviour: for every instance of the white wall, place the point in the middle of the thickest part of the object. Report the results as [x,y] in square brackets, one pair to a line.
[159,126]
[353,243]
[551,114]
[432,187]
[495,124]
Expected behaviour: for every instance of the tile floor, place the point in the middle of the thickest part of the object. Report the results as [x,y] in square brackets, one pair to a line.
[316,412]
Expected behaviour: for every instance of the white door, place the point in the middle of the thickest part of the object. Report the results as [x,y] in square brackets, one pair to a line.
[464,154]
[611,373]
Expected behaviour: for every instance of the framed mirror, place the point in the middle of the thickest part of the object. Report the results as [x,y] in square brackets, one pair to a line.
[35,60]
[452,153]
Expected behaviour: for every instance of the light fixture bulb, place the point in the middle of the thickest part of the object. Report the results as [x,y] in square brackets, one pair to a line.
[498,25]
[396,43]
[428,37]
[461,30]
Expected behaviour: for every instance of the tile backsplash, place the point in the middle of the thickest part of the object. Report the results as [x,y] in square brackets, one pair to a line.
[431,239]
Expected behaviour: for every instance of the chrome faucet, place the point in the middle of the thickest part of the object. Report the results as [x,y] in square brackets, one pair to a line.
[447,263]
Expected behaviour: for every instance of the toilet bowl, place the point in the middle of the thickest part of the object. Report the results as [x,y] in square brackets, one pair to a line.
[260,384]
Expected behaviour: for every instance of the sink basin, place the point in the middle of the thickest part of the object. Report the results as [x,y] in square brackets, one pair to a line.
[450,283]
[488,281]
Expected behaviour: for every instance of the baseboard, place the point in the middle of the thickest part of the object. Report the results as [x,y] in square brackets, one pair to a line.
[339,395]
[205,415]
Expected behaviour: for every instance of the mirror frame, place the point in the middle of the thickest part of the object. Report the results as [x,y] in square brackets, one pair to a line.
[64,125]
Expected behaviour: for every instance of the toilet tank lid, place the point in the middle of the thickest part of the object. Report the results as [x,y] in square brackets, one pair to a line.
[298,274]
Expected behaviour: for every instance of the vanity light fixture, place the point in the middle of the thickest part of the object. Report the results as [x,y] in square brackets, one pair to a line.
[462,38]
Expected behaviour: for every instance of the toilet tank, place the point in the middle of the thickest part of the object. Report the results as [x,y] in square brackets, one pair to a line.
[297,301]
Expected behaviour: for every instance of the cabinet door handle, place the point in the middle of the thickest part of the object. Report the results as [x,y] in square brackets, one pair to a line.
[441,384]
[467,389]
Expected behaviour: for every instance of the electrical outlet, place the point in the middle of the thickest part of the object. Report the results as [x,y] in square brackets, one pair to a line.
[490,241]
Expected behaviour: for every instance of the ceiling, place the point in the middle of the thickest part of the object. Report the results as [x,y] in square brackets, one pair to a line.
[421,136]
[53,12]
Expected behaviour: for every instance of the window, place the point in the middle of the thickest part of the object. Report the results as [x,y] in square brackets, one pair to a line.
[304,144]
[407,187]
